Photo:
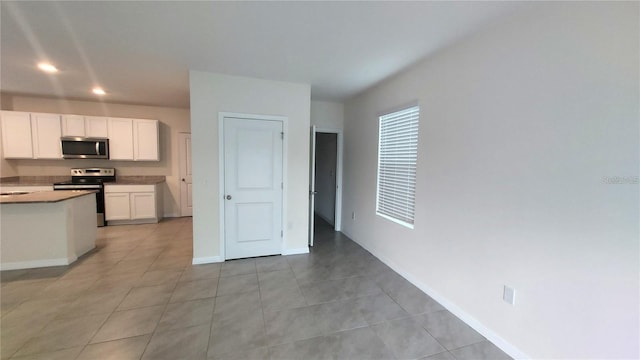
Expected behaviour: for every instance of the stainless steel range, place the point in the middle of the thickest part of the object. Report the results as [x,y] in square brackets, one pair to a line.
[90,179]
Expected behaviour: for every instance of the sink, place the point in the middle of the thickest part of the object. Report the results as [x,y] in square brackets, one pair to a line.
[14,193]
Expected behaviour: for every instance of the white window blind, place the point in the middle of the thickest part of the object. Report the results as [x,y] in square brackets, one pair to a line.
[397,157]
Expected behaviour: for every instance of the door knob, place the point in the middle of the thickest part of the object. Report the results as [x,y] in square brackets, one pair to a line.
[183,179]
[228,197]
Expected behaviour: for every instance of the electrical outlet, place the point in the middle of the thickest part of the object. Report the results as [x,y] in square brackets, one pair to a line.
[353,215]
[509,295]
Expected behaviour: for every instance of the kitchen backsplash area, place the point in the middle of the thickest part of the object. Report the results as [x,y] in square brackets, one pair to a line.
[140,179]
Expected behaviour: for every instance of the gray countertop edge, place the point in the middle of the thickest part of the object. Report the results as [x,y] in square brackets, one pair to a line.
[117,182]
[39,197]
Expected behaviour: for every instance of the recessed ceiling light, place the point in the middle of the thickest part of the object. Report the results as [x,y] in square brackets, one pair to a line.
[98,91]
[46,67]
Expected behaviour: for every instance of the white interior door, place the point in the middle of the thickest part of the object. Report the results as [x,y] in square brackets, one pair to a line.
[312,184]
[184,150]
[253,182]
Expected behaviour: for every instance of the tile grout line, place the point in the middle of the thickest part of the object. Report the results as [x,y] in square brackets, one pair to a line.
[53,318]
[169,246]
[215,304]
[163,312]
[121,301]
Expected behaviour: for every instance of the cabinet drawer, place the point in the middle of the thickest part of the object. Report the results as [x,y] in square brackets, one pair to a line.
[129,188]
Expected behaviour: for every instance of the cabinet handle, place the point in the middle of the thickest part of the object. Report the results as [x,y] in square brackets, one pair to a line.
[228,197]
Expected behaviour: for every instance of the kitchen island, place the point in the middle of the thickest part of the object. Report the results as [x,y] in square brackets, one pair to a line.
[46,228]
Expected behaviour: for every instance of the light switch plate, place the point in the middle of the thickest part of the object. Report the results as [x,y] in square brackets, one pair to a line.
[509,295]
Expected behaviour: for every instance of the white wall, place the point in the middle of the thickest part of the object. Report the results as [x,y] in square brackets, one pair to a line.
[327,114]
[519,126]
[172,122]
[215,93]
[5,101]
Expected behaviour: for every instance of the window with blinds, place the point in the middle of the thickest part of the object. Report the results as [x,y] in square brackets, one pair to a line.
[397,157]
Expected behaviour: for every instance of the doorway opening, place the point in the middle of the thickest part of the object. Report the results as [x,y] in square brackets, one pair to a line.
[325,179]
[326,176]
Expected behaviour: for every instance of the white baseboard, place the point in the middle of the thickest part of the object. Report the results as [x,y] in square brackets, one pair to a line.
[171,215]
[207,260]
[35,264]
[496,339]
[304,250]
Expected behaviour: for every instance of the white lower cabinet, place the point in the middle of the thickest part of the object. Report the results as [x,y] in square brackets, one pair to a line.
[143,205]
[117,206]
[132,204]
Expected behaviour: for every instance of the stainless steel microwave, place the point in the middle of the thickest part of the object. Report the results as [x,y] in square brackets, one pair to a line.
[84,148]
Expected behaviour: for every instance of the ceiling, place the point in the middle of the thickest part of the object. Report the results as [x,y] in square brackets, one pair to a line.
[141,52]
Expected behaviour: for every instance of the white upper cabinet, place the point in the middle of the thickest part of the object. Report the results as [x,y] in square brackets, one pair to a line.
[37,135]
[145,135]
[16,135]
[31,136]
[133,139]
[73,125]
[84,126]
[96,127]
[120,139]
[46,133]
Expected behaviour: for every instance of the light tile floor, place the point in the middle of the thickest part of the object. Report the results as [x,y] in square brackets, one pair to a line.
[137,296]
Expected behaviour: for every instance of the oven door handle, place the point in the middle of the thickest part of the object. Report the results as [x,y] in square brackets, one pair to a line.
[76,187]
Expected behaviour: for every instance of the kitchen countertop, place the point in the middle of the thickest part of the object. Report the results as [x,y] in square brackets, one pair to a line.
[44,196]
[49,180]
[32,180]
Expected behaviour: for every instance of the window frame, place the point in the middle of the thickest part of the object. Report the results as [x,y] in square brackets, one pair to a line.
[410,114]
